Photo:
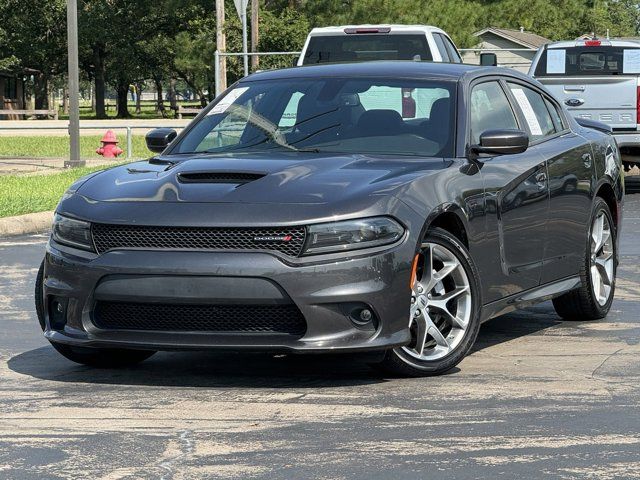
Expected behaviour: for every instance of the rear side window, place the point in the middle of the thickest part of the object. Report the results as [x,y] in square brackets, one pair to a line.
[584,61]
[454,57]
[441,47]
[555,115]
[490,110]
[534,110]
[364,47]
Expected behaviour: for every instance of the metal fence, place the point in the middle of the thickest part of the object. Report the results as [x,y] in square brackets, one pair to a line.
[129,129]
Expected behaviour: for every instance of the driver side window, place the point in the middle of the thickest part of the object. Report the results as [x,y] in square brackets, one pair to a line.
[490,110]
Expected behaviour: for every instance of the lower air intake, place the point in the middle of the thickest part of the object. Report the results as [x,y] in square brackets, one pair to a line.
[259,319]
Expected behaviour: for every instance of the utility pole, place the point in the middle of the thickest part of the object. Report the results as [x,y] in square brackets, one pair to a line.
[221,46]
[241,7]
[74,80]
[255,19]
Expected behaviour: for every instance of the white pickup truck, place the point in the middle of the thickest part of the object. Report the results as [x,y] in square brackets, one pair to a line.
[597,80]
[359,43]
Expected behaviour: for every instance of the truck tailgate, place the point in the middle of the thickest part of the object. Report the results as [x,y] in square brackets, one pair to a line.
[609,99]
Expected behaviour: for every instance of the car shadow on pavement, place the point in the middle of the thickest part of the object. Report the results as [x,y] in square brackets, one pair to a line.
[255,370]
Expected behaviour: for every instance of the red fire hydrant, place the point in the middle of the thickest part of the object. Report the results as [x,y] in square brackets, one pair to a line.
[109,148]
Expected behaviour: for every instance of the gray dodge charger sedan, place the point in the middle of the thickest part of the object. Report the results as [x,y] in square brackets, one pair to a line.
[385,207]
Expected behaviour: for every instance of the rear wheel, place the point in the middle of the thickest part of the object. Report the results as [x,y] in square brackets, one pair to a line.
[593,299]
[445,308]
[95,357]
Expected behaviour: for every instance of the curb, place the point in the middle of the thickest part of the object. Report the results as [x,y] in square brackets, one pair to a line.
[23,224]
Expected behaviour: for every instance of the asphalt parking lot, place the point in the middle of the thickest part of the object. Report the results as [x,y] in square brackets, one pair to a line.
[537,398]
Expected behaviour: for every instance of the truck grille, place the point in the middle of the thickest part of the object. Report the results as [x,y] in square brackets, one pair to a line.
[259,319]
[286,240]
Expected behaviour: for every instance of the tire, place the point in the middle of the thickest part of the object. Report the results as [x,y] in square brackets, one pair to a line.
[582,303]
[94,357]
[38,295]
[407,361]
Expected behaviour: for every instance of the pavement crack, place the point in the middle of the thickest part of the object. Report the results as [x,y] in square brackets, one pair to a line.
[186,445]
[605,361]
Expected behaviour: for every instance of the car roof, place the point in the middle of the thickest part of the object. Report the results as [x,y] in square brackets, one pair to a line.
[385,68]
[394,28]
[604,43]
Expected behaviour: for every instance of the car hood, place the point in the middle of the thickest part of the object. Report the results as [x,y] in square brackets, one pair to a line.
[300,178]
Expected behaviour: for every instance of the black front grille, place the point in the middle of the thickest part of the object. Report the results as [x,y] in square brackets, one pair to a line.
[267,319]
[287,240]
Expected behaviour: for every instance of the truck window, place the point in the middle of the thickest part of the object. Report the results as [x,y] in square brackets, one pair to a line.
[583,61]
[449,52]
[441,47]
[359,48]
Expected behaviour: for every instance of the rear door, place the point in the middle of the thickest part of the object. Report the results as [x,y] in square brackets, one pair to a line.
[569,172]
[594,81]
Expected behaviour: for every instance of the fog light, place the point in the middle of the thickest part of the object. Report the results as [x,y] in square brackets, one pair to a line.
[58,312]
[366,315]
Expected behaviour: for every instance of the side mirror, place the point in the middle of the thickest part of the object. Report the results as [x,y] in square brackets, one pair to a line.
[488,60]
[159,138]
[502,142]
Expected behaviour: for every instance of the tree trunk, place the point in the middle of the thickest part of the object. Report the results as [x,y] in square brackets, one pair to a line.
[172,96]
[122,91]
[99,82]
[160,104]
[138,99]
[65,99]
[41,87]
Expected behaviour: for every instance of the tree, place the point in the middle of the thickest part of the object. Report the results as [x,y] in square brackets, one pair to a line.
[37,41]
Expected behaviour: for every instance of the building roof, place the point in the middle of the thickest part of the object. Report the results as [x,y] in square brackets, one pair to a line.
[526,39]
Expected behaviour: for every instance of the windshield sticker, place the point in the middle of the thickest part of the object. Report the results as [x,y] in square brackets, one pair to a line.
[556,60]
[527,110]
[227,101]
[631,61]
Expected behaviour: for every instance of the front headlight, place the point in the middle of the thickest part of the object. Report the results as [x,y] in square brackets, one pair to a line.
[352,234]
[74,233]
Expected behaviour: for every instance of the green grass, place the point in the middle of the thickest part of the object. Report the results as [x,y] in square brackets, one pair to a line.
[58,147]
[20,194]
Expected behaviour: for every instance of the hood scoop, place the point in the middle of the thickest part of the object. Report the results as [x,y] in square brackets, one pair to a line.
[235,178]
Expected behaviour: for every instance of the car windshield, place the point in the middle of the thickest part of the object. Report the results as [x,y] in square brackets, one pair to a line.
[337,115]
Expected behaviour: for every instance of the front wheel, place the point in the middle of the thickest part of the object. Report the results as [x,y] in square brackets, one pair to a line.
[94,357]
[444,316]
[592,300]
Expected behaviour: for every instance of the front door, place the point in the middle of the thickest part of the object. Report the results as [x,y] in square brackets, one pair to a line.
[516,199]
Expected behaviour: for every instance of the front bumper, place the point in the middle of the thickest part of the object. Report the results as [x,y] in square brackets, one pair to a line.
[323,291]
